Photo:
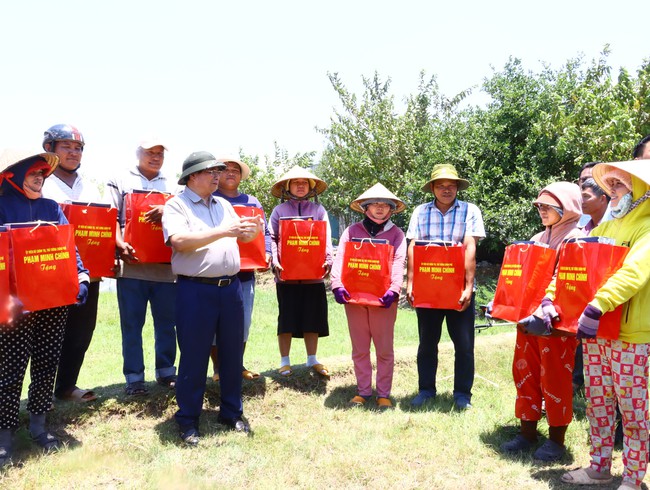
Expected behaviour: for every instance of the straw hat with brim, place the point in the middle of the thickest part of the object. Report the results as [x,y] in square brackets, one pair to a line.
[18,162]
[381,194]
[245,169]
[602,171]
[315,183]
[445,171]
[197,161]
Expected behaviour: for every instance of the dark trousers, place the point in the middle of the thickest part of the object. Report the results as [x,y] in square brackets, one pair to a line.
[79,330]
[460,325]
[36,336]
[207,311]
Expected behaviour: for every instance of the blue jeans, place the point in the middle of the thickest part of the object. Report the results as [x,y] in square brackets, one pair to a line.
[206,311]
[133,295]
[460,325]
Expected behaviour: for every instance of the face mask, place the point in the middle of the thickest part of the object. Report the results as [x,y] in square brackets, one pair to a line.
[623,206]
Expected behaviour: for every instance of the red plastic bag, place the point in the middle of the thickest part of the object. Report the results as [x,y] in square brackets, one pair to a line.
[438,275]
[367,268]
[252,255]
[584,266]
[146,238]
[5,291]
[526,271]
[302,249]
[94,235]
[44,265]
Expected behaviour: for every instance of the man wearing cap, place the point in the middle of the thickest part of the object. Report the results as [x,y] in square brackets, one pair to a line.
[642,149]
[64,185]
[202,230]
[139,284]
[448,219]
[231,177]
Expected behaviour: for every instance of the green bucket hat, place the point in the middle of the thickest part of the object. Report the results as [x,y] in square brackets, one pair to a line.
[197,161]
[445,171]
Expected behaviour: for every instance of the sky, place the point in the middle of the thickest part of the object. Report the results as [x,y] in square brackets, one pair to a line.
[224,76]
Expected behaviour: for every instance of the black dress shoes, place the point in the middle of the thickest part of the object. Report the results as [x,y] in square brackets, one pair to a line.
[190,436]
[237,424]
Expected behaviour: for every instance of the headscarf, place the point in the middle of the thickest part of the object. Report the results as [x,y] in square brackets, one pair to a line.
[570,199]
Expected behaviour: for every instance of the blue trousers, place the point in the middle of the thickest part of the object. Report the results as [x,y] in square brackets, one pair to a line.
[206,311]
[460,325]
[133,295]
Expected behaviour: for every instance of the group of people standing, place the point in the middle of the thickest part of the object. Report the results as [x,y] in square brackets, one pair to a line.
[203,302]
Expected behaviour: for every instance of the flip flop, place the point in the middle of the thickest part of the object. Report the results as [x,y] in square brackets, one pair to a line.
[80,396]
[322,370]
[246,374]
[581,477]
[285,371]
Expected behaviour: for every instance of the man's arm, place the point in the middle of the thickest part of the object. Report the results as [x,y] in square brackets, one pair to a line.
[244,229]
[470,271]
[409,273]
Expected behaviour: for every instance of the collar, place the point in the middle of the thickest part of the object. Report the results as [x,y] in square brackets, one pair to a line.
[136,171]
[195,198]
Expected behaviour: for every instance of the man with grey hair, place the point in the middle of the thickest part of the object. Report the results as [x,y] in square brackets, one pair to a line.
[139,284]
[203,230]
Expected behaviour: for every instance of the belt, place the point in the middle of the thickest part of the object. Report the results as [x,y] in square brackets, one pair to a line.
[221,282]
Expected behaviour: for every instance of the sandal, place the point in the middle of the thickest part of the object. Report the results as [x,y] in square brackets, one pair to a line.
[47,441]
[79,396]
[581,477]
[137,388]
[384,403]
[358,401]
[322,370]
[215,377]
[285,371]
[5,456]
[168,381]
[246,374]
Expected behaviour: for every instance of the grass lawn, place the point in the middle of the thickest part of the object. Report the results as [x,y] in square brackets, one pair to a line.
[304,435]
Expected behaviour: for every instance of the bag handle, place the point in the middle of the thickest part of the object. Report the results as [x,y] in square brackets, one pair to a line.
[369,240]
[40,223]
[311,230]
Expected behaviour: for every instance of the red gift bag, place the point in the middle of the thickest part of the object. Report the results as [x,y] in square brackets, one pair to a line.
[44,265]
[584,266]
[526,271]
[252,255]
[367,268]
[5,292]
[438,275]
[302,248]
[94,235]
[146,238]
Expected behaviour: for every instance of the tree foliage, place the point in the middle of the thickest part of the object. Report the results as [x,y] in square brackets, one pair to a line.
[536,129]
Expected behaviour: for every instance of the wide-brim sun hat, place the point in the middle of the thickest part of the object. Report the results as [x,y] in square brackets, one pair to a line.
[445,171]
[245,169]
[197,161]
[603,171]
[12,161]
[316,184]
[379,192]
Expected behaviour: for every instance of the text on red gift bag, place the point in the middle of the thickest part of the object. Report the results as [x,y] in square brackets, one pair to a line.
[583,267]
[94,235]
[526,271]
[44,265]
[366,273]
[146,238]
[252,254]
[438,276]
[302,249]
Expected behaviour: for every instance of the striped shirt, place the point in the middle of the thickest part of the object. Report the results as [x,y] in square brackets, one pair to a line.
[429,223]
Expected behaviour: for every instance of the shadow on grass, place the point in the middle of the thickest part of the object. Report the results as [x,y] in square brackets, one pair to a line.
[443,402]
[302,380]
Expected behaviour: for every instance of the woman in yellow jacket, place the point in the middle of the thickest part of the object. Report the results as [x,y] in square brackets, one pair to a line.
[617,370]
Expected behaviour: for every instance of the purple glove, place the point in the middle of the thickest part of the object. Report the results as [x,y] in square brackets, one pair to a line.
[83,294]
[549,313]
[588,322]
[534,325]
[388,298]
[341,295]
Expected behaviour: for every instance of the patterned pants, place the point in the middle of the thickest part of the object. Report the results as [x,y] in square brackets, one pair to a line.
[617,371]
[38,336]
